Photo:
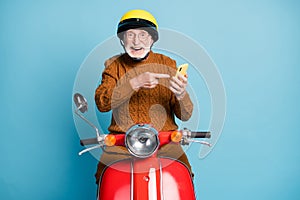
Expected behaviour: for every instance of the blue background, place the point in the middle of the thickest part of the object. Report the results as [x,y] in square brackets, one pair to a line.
[255,45]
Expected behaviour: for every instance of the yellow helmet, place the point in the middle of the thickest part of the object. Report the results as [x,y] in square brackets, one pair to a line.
[138,19]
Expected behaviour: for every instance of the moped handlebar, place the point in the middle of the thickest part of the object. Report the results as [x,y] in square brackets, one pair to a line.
[193,134]
[200,134]
[88,141]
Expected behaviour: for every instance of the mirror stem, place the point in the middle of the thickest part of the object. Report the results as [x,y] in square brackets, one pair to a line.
[87,121]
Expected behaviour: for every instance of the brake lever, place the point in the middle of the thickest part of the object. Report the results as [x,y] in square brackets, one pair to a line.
[201,142]
[89,149]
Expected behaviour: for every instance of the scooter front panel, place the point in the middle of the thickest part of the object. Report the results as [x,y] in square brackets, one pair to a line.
[115,182]
[176,181]
[146,179]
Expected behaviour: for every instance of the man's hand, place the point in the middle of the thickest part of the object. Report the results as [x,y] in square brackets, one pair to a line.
[178,86]
[146,80]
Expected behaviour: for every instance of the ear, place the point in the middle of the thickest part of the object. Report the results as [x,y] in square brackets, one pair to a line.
[151,43]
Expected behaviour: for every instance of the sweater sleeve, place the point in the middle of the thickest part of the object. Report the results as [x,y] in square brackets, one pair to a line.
[112,91]
[183,108]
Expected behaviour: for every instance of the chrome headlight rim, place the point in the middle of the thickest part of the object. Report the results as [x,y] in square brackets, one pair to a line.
[138,134]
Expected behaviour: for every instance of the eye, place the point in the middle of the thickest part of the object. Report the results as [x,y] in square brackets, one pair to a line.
[130,35]
[143,34]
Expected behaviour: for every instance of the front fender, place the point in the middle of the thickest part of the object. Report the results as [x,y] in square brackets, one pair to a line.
[160,179]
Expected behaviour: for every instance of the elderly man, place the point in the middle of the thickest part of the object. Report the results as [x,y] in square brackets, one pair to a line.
[140,86]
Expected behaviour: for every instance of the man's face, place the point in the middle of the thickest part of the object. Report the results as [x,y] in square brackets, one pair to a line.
[137,43]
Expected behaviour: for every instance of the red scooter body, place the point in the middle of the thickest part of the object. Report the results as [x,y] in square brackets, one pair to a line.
[171,181]
[147,179]
[145,176]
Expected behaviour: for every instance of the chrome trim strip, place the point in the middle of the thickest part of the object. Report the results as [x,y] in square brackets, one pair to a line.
[161,181]
[131,180]
[152,184]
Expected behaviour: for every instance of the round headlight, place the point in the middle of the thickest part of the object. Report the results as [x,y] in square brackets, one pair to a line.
[142,140]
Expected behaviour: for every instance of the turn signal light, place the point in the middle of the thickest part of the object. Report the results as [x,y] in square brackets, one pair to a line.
[110,140]
[176,136]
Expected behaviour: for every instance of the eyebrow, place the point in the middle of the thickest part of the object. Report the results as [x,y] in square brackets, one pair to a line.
[142,31]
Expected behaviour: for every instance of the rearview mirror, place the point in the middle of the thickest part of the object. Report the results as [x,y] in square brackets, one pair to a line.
[80,102]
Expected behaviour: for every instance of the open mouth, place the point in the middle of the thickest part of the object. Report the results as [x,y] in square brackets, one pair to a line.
[137,51]
[136,48]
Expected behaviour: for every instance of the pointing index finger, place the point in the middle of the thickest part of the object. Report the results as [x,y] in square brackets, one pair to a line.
[161,75]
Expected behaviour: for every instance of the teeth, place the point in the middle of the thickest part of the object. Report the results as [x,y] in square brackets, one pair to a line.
[136,49]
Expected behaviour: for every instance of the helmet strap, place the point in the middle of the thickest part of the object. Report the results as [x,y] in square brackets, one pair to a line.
[122,43]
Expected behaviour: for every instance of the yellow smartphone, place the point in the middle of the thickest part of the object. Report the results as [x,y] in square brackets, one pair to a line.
[182,69]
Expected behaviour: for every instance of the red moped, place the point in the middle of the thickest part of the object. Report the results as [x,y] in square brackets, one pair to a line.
[145,175]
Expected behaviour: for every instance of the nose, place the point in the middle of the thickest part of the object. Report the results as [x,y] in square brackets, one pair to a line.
[136,39]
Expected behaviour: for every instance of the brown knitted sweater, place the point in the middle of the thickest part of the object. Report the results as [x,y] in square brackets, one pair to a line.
[155,106]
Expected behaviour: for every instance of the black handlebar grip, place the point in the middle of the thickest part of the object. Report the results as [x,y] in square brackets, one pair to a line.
[201,134]
[88,141]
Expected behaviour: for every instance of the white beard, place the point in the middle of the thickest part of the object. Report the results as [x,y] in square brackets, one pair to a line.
[137,55]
